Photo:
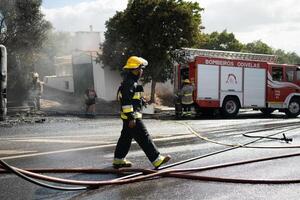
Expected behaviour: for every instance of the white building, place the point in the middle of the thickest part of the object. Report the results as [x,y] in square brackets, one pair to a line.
[104,80]
[76,72]
[63,80]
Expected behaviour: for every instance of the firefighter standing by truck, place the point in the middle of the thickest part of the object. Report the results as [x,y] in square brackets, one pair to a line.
[187,97]
[133,126]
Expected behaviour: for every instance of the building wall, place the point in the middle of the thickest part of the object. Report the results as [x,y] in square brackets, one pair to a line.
[99,83]
[81,57]
[63,83]
[166,88]
[63,65]
[106,82]
[113,80]
[83,75]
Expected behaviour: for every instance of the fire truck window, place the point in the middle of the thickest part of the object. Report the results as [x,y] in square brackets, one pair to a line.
[277,73]
[298,75]
[289,72]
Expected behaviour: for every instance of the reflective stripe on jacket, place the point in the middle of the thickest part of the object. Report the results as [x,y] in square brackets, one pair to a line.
[187,94]
[130,98]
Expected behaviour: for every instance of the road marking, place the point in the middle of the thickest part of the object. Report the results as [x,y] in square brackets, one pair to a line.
[59,151]
[49,137]
[8,152]
[57,141]
[88,148]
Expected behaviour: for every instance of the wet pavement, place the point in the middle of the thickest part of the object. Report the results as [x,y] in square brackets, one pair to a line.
[73,142]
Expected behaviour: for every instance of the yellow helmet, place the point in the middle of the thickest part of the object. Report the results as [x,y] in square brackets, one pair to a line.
[187,81]
[134,62]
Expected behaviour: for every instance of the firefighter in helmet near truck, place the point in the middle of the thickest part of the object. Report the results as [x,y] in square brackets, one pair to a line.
[129,94]
[186,94]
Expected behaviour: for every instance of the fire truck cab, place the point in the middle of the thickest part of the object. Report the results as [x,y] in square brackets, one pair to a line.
[227,81]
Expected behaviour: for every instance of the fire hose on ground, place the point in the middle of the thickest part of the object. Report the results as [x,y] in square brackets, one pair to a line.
[247,134]
[144,174]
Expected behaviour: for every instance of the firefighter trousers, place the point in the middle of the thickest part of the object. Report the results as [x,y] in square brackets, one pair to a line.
[187,107]
[140,134]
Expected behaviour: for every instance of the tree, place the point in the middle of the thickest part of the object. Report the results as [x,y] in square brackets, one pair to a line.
[23,31]
[263,48]
[258,47]
[151,29]
[220,41]
[289,57]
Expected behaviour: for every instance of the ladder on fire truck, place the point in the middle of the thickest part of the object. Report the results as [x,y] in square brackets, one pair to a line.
[189,54]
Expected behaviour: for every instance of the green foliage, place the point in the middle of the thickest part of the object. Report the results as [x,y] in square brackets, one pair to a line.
[263,48]
[23,31]
[25,27]
[220,41]
[287,57]
[258,47]
[227,42]
[151,29]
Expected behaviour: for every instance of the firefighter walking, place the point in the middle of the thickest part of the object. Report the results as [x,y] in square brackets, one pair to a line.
[187,97]
[133,126]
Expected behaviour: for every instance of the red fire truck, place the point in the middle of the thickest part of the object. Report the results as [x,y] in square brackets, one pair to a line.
[228,81]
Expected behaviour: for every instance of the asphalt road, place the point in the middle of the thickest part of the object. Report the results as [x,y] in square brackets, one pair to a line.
[73,142]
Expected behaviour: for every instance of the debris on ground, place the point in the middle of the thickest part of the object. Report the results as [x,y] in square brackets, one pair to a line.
[23,118]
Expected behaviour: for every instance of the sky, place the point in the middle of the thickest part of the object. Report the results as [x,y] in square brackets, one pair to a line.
[275,22]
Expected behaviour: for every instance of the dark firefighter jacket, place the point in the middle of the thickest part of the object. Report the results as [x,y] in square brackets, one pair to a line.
[130,96]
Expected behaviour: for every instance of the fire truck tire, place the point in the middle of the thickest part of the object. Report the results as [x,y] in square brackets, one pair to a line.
[230,107]
[267,111]
[294,108]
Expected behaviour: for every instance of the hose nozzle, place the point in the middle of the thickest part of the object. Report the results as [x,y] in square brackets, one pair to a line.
[287,140]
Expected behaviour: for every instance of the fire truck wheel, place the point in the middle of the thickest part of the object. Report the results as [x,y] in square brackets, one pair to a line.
[230,107]
[294,108]
[267,111]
